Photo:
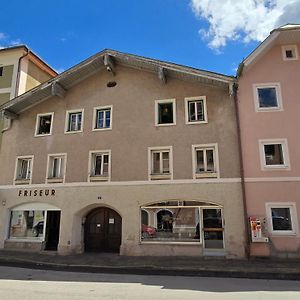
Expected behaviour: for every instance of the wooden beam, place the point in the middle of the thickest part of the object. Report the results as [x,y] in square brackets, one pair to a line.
[109,64]
[58,90]
[162,74]
[10,115]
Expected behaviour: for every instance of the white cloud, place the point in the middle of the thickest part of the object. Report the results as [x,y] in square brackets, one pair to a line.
[2,36]
[246,20]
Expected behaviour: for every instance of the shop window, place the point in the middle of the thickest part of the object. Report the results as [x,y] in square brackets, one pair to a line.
[282,218]
[183,222]
[165,112]
[160,163]
[27,224]
[274,154]
[289,52]
[195,110]
[99,166]
[74,121]
[44,124]
[102,118]
[56,168]
[23,171]
[267,97]
[205,161]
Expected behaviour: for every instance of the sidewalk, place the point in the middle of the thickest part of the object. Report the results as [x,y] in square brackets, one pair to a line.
[178,266]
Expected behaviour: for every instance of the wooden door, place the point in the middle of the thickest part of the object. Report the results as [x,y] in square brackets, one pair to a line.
[103,229]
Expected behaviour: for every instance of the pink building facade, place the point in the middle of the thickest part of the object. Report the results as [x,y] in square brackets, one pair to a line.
[269,113]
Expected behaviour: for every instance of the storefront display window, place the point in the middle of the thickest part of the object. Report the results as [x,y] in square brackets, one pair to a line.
[27,224]
[181,221]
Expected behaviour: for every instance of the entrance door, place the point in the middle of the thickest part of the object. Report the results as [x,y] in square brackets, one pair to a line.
[103,229]
[213,228]
[52,230]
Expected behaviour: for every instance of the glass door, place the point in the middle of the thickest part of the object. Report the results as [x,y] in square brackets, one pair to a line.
[213,230]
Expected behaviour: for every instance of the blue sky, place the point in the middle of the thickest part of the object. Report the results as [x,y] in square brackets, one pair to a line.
[197,33]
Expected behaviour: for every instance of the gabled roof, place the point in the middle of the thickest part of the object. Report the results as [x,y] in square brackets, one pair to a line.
[107,59]
[284,35]
[33,57]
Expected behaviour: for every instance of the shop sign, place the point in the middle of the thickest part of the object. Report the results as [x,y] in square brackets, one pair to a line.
[36,193]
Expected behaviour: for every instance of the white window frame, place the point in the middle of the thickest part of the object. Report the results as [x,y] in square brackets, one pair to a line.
[285,153]
[95,117]
[91,163]
[293,213]
[293,48]
[214,147]
[49,168]
[277,87]
[67,121]
[38,116]
[186,102]
[157,102]
[23,181]
[150,163]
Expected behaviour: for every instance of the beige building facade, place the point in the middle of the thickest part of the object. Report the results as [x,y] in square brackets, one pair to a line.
[124,154]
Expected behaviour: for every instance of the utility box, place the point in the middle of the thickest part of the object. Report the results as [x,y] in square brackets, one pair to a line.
[259,230]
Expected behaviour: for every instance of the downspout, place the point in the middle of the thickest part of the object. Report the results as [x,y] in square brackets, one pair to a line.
[18,72]
[247,229]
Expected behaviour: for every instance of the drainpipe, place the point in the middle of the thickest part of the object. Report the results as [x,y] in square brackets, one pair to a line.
[18,72]
[247,229]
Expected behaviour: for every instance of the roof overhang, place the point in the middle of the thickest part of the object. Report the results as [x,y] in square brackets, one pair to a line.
[107,59]
[285,35]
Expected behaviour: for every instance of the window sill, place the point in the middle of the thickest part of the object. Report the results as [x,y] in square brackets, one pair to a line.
[41,135]
[206,175]
[282,233]
[72,132]
[55,180]
[170,243]
[269,109]
[196,122]
[22,181]
[22,240]
[98,178]
[160,176]
[102,129]
[275,167]
[165,124]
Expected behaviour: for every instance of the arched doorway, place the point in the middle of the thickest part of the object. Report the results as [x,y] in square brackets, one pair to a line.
[103,229]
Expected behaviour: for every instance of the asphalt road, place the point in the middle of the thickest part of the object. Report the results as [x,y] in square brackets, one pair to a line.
[19,283]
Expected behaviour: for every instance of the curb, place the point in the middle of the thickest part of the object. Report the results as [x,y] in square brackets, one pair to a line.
[154,270]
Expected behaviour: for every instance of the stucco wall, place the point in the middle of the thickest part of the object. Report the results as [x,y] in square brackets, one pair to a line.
[6,78]
[133,129]
[76,202]
[35,76]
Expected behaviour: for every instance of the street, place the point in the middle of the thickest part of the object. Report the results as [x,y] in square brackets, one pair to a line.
[19,283]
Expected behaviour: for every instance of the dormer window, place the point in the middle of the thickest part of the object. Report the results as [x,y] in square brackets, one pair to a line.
[290,52]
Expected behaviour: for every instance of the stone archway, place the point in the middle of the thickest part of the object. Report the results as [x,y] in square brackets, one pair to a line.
[103,230]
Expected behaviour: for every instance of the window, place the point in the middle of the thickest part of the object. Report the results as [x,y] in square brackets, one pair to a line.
[183,222]
[1,71]
[165,112]
[205,161]
[195,110]
[289,52]
[56,168]
[160,163]
[274,154]
[27,224]
[44,124]
[23,171]
[267,97]
[99,168]
[282,218]
[102,118]
[74,121]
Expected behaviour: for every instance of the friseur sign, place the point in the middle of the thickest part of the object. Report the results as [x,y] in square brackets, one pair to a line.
[36,193]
